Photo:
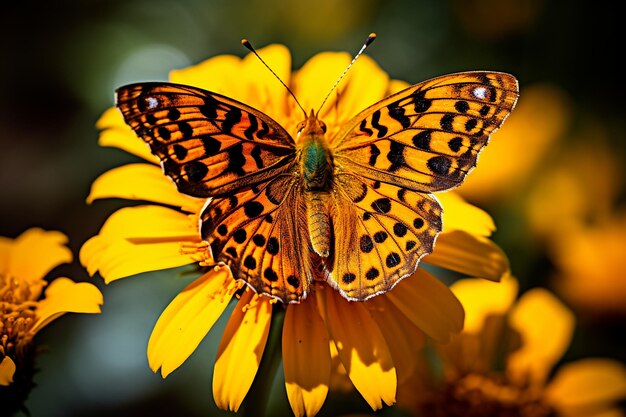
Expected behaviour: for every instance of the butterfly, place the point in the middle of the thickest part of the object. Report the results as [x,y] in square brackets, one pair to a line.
[355,210]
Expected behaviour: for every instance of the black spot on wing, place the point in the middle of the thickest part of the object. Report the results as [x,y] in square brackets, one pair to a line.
[249,132]
[440,165]
[374,152]
[173,114]
[180,151]
[236,160]
[446,122]
[185,129]
[372,273]
[233,116]
[253,208]
[382,130]
[382,205]
[397,113]
[396,156]
[209,108]
[256,155]
[420,102]
[211,145]
[366,244]
[348,277]
[366,130]
[196,171]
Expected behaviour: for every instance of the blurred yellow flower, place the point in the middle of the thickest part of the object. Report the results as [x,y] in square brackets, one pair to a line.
[591,267]
[578,186]
[24,263]
[375,341]
[501,365]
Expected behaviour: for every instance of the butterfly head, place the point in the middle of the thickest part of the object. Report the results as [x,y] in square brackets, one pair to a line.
[309,127]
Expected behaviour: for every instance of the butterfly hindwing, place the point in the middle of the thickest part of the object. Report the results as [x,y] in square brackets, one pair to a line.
[257,231]
[428,136]
[207,143]
[381,232]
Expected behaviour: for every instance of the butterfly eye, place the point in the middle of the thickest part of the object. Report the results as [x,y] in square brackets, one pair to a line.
[300,127]
[323,126]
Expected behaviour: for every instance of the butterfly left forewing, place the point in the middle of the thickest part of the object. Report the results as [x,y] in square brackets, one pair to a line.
[428,136]
[207,143]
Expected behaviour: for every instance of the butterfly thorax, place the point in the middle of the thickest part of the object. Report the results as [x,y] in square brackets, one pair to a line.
[316,161]
[316,168]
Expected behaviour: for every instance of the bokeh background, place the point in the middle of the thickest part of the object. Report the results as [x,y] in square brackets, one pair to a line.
[552,178]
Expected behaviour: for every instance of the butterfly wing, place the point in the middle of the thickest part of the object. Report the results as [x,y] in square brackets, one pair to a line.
[388,159]
[213,146]
[428,136]
[383,233]
[256,231]
[207,143]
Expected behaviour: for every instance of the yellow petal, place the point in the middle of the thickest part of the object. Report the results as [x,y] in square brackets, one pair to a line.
[404,339]
[7,370]
[306,358]
[460,215]
[362,350]
[66,296]
[468,254]
[116,133]
[187,320]
[591,261]
[245,80]
[140,182]
[587,383]
[428,304]
[482,298]
[240,350]
[396,86]
[140,239]
[33,254]
[546,326]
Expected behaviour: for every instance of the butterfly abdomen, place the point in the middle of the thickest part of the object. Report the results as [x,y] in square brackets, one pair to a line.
[319,221]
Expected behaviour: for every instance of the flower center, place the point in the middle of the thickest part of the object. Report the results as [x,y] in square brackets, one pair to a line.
[17,315]
[476,395]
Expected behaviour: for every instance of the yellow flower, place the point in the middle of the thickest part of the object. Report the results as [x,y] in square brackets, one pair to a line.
[24,262]
[502,362]
[590,263]
[376,341]
[579,185]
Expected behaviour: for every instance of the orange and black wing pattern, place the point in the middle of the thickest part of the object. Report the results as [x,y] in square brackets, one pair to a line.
[207,143]
[427,137]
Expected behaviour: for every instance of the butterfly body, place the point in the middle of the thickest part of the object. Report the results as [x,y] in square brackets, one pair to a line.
[316,168]
[354,210]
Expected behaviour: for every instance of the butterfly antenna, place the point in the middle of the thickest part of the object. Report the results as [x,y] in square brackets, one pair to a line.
[248,45]
[370,38]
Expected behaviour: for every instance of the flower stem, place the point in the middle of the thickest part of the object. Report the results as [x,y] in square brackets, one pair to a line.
[255,403]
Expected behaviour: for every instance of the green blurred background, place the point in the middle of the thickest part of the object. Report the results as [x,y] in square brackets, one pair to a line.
[62,61]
